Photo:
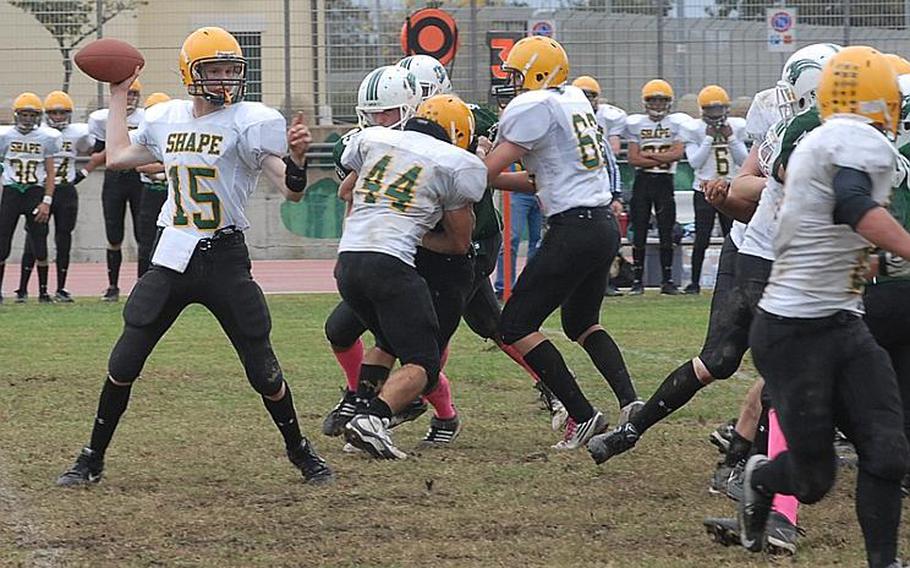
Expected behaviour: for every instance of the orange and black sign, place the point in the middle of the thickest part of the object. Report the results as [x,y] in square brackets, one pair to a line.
[500,43]
[432,32]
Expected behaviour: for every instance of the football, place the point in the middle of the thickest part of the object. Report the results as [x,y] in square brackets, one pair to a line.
[109,60]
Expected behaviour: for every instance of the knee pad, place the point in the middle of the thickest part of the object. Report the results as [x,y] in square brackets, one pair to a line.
[343,327]
[251,310]
[265,375]
[575,327]
[721,364]
[512,328]
[147,300]
[813,484]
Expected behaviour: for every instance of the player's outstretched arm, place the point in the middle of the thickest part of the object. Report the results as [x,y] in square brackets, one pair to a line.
[120,153]
[276,170]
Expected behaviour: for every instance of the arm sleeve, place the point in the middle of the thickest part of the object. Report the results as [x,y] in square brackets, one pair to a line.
[141,137]
[96,128]
[613,171]
[54,146]
[618,127]
[852,195]
[352,158]
[470,182]
[265,138]
[697,153]
[525,124]
[631,133]
[738,149]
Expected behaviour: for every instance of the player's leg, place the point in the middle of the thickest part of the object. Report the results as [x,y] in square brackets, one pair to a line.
[25,270]
[665,211]
[66,210]
[37,236]
[113,206]
[153,198]
[343,330]
[134,195]
[10,206]
[640,218]
[704,225]
[153,305]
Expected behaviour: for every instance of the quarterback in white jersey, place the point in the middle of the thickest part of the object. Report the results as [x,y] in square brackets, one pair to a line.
[822,366]
[408,181]
[552,130]
[28,152]
[213,147]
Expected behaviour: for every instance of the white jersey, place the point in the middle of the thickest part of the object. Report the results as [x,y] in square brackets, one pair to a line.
[820,265]
[763,113]
[24,155]
[97,122]
[611,119]
[212,162]
[758,239]
[658,136]
[405,181]
[75,140]
[711,158]
[566,150]
[737,231]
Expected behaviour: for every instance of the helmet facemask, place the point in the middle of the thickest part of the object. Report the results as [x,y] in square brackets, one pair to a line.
[27,120]
[226,89]
[658,107]
[513,87]
[58,118]
[715,115]
[786,100]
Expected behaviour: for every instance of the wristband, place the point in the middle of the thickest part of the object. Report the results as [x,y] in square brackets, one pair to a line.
[294,176]
[47,199]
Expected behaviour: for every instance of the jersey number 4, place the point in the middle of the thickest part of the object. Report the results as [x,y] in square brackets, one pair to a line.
[198,195]
[590,140]
[400,192]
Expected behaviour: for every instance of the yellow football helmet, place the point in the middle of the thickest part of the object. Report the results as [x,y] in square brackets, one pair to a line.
[156,98]
[534,62]
[451,113]
[590,86]
[860,81]
[57,102]
[901,65]
[213,45]
[714,103]
[657,98]
[27,109]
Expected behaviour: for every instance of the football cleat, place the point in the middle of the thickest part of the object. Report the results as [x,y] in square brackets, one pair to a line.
[628,412]
[21,296]
[722,435]
[719,480]
[87,469]
[412,411]
[754,508]
[723,530]
[370,433]
[313,467]
[637,288]
[620,440]
[333,424]
[669,288]
[735,483]
[441,432]
[612,291]
[112,294]
[63,297]
[781,534]
[692,289]
[44,298]
[559,416]
[578,434]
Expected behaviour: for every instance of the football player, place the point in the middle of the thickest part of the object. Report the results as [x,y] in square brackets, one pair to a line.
[821,364]
[76,140]
[214,147]
[654,149]
[715,148]
[407,182]
[154,183]
[550,127]
[120,189]
[28,151]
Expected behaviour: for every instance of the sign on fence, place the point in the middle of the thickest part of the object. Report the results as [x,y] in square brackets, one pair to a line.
[500,43]
[546,28]
[781,29]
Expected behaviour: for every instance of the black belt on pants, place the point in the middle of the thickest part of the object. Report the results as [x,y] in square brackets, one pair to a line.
[223,237]
[583,213]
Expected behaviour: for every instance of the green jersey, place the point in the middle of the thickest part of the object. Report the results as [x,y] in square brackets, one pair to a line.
[893,267]
[487,221]
[796,129]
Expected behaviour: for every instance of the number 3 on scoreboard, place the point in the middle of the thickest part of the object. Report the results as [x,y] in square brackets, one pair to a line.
[198,195]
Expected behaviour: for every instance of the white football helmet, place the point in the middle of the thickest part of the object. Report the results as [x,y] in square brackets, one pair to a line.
[903,127]
[432,76]
[386,88]
[800,77]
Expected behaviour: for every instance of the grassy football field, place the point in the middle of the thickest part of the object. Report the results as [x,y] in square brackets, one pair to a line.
[197,474]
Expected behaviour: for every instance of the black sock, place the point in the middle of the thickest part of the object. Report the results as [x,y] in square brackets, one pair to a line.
[549,365]
[378,407]
[607,358]
[64,244]
[42,279]
[698,260]
[667,273]
[114,258]
[739,449]
[285,417]
[61,276]
[111,406]
[760,443]
[666,263]
[25,275]
[638,263]
[676,390]
[369,379]
[878,507]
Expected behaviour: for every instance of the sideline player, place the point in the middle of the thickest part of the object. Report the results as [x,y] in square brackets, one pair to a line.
[154,184]
[551,129]
[214,146]
[28,151]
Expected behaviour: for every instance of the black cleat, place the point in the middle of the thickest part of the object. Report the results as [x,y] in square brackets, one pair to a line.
[441,432]
[63,297]
[637,288]
[334,422]
[87,469]
[44,298]
[612,291]
[692,289]
[313,467]
[754,508]
[412,411]
[722,435]
[669,288]
[112,294]
[723,530]
[782,535]
[21,296]
[620,440]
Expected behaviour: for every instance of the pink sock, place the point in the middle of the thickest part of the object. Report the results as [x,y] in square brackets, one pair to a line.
[441,399]
[516,356]
[786,505]
[350,360]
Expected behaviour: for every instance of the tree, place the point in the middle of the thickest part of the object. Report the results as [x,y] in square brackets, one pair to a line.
[71,21]
[882,13]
